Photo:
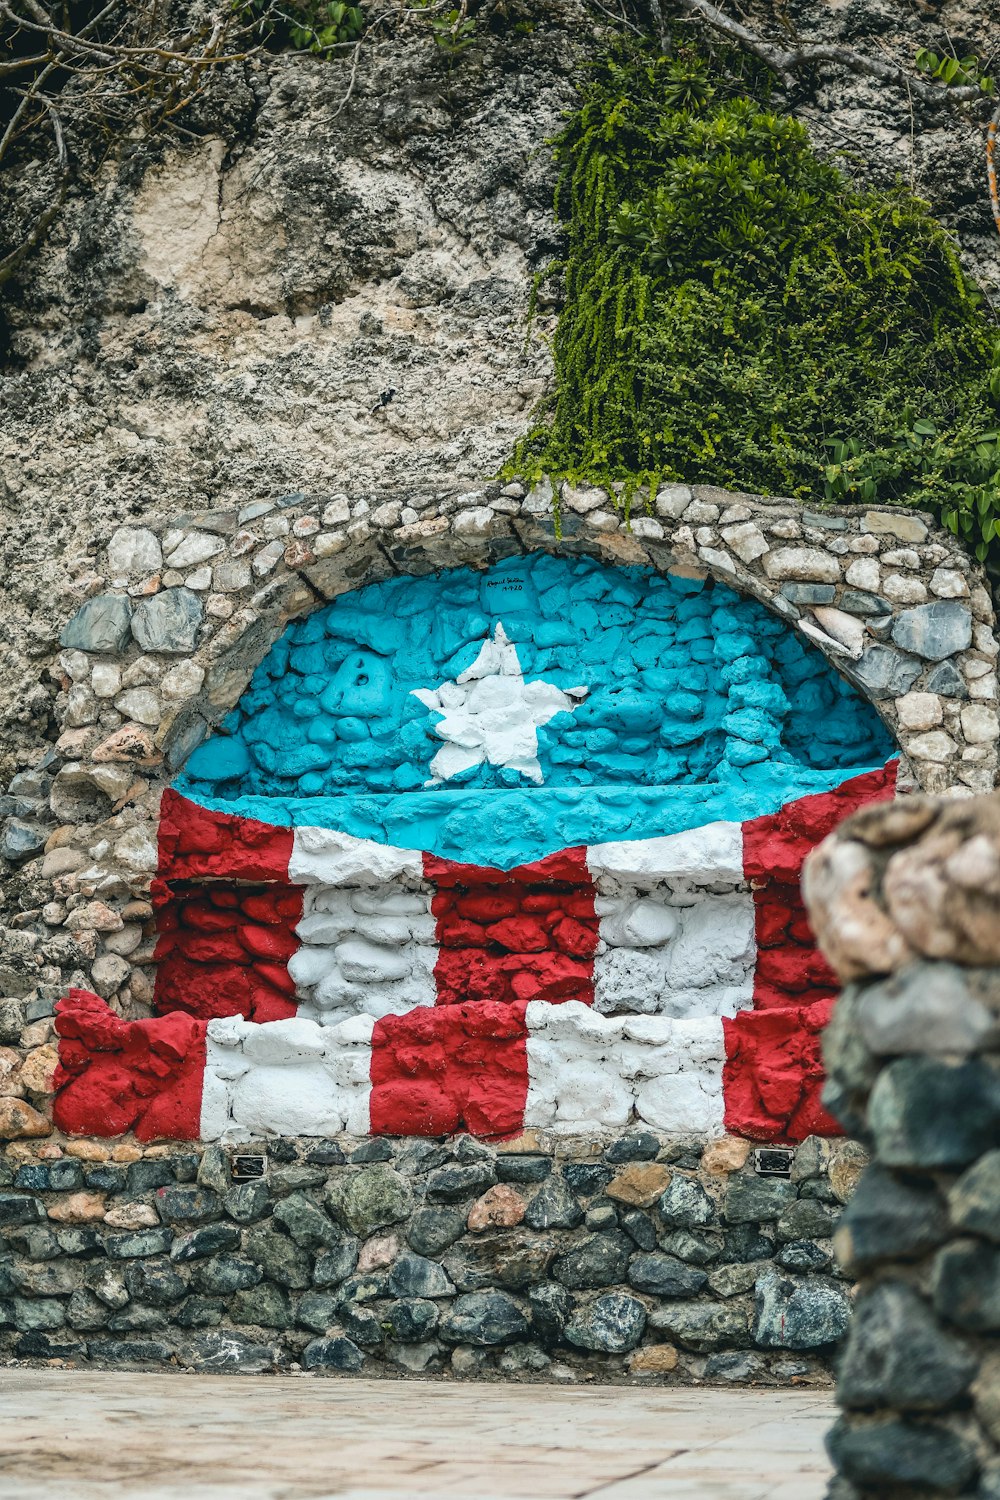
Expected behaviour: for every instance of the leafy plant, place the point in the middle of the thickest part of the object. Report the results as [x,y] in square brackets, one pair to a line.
[956,72]
[317,26]
[452,30]
[736,312]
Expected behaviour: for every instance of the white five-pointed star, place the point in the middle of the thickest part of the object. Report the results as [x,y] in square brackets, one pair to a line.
[491,714]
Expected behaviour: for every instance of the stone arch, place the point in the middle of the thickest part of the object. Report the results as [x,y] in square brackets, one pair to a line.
[738,554]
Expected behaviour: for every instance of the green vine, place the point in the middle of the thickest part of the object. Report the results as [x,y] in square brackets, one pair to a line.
[321,27]
[737,313]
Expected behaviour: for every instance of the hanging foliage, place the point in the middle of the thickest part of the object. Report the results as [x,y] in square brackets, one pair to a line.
[736,312]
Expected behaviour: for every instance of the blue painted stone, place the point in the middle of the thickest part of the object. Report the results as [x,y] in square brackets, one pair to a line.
[219,759]
[700,705]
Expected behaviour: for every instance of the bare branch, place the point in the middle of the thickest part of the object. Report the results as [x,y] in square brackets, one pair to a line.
[10,263]
[789,61]
[991,166]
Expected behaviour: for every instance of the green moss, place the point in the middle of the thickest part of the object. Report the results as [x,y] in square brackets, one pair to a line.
[737,313]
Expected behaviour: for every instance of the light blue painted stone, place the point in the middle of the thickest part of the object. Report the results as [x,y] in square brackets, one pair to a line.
[699,705]
[101,624]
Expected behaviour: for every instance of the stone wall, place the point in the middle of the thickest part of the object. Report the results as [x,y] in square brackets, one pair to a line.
[652,1259]
[179,613]
[906,902]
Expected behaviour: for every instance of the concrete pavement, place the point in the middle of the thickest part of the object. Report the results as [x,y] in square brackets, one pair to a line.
[97,1435]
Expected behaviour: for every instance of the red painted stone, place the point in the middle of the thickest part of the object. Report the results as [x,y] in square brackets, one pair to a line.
[116,1075]
[773,1074]
[194,841]
[438,1070]
[775,847]
[212,963]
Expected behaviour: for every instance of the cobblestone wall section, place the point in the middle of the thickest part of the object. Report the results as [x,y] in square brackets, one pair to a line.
[175,615]
[658,1260]
[905,900]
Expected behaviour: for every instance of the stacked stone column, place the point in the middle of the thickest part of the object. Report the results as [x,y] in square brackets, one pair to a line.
[905,898]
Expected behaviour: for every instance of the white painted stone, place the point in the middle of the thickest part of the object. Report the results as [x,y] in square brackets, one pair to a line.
[746,540]
[288,1041]
[712,852]
[586,1071]
[325,856]
[286,1078]
[864,573]
[640,924]
[716,942]
[919,711]
[683,1103]
[197,547]
[368,963]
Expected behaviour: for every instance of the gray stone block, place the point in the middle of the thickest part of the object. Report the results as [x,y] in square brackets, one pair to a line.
[897,1354]
[610,1324]
[934,631]
[168,622]
[100,624]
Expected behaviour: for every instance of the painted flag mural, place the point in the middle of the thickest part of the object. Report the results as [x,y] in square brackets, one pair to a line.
[495,850]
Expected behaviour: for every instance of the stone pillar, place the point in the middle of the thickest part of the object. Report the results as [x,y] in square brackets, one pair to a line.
[905,899]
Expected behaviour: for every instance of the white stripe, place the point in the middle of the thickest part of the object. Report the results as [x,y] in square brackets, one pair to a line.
[711,853]
[588,1073]
[325,856]
[290,1077]
[365,951]
[682,955]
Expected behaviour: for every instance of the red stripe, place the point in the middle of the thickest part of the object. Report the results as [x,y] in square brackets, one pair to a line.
[773,1074]
[193,842]
[223,949]
[453,1067]
[772,1077]
[509,935]
[117,1075]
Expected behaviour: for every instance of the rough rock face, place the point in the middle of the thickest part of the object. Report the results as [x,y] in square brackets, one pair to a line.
[306,299]
[905,900]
